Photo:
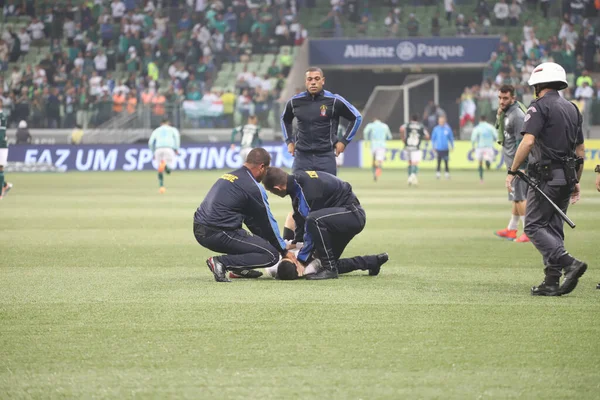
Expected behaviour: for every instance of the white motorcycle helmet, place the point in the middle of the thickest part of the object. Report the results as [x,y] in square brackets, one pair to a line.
[549,72]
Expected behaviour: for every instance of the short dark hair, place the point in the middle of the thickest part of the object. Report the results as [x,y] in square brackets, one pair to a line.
[414,117]
[507,89]
[550,85]
[274,177]
[287,271]
[259,156]
[315,69]
[482,118]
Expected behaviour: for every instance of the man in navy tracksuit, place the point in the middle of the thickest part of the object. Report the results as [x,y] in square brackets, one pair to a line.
[235,198]
[327,215]
[315,144]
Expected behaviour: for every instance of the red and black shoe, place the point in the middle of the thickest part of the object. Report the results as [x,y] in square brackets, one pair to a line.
[218,269]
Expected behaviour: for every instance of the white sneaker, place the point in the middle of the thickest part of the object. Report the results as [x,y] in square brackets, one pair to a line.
[437,175]
[7,188]
[447,176]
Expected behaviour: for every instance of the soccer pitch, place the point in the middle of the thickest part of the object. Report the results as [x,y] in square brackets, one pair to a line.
[104,293]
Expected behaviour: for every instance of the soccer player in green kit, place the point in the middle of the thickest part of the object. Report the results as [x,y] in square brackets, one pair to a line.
[3,154]
[413,133]
[250,137]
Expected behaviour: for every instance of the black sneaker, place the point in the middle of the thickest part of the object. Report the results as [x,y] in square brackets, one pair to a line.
[235,273]
[572,274]
[598,286]
[545,290]
[381,259]
[323,274]
[218,269]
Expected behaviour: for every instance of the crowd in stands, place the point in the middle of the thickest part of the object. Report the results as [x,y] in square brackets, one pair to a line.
[66,64]
[575,46]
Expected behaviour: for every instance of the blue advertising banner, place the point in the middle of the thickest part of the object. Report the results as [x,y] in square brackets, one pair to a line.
[447,50]
[139,157]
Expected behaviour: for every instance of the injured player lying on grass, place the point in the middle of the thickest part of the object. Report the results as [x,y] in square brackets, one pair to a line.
[286,269]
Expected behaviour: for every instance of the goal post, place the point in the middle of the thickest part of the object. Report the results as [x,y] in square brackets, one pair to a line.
[395,104]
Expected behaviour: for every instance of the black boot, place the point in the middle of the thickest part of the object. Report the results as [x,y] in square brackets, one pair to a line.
[381,259]
[545,290]
[572,274]
[324,274]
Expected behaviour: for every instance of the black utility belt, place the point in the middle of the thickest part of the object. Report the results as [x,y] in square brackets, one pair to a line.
[542,170]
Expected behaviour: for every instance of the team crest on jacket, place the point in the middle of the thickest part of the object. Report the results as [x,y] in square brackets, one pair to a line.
[323,110]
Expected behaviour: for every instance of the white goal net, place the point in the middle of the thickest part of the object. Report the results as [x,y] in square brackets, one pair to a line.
[395,104]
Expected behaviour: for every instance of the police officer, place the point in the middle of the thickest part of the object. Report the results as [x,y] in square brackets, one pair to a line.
[235,198]
[315,145]
[327,215]
[553,136]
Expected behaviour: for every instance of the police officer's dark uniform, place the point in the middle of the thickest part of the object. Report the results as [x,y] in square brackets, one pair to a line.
[316,135]
[556,125]
[234,199]
[327,215]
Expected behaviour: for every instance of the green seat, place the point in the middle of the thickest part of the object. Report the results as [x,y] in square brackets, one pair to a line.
[238,67]
[268,59]
[227,66]
[253,66]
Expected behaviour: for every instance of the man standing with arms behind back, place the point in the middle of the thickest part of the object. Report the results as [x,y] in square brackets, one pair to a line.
[317,111]
[509,123]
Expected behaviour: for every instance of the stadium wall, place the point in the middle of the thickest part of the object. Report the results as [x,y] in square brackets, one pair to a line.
[220,155]
[462,157]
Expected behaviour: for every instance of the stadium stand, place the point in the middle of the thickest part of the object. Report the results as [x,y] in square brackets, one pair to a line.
[212,63]
[201,63]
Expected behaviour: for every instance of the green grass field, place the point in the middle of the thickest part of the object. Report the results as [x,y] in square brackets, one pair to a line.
[104,293]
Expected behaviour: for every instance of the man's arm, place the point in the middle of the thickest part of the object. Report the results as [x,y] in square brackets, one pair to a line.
[388,133]
[299,220]
[403,133]
[451,139]
[426,134]
[349,112]
[474,137]
[286,122]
